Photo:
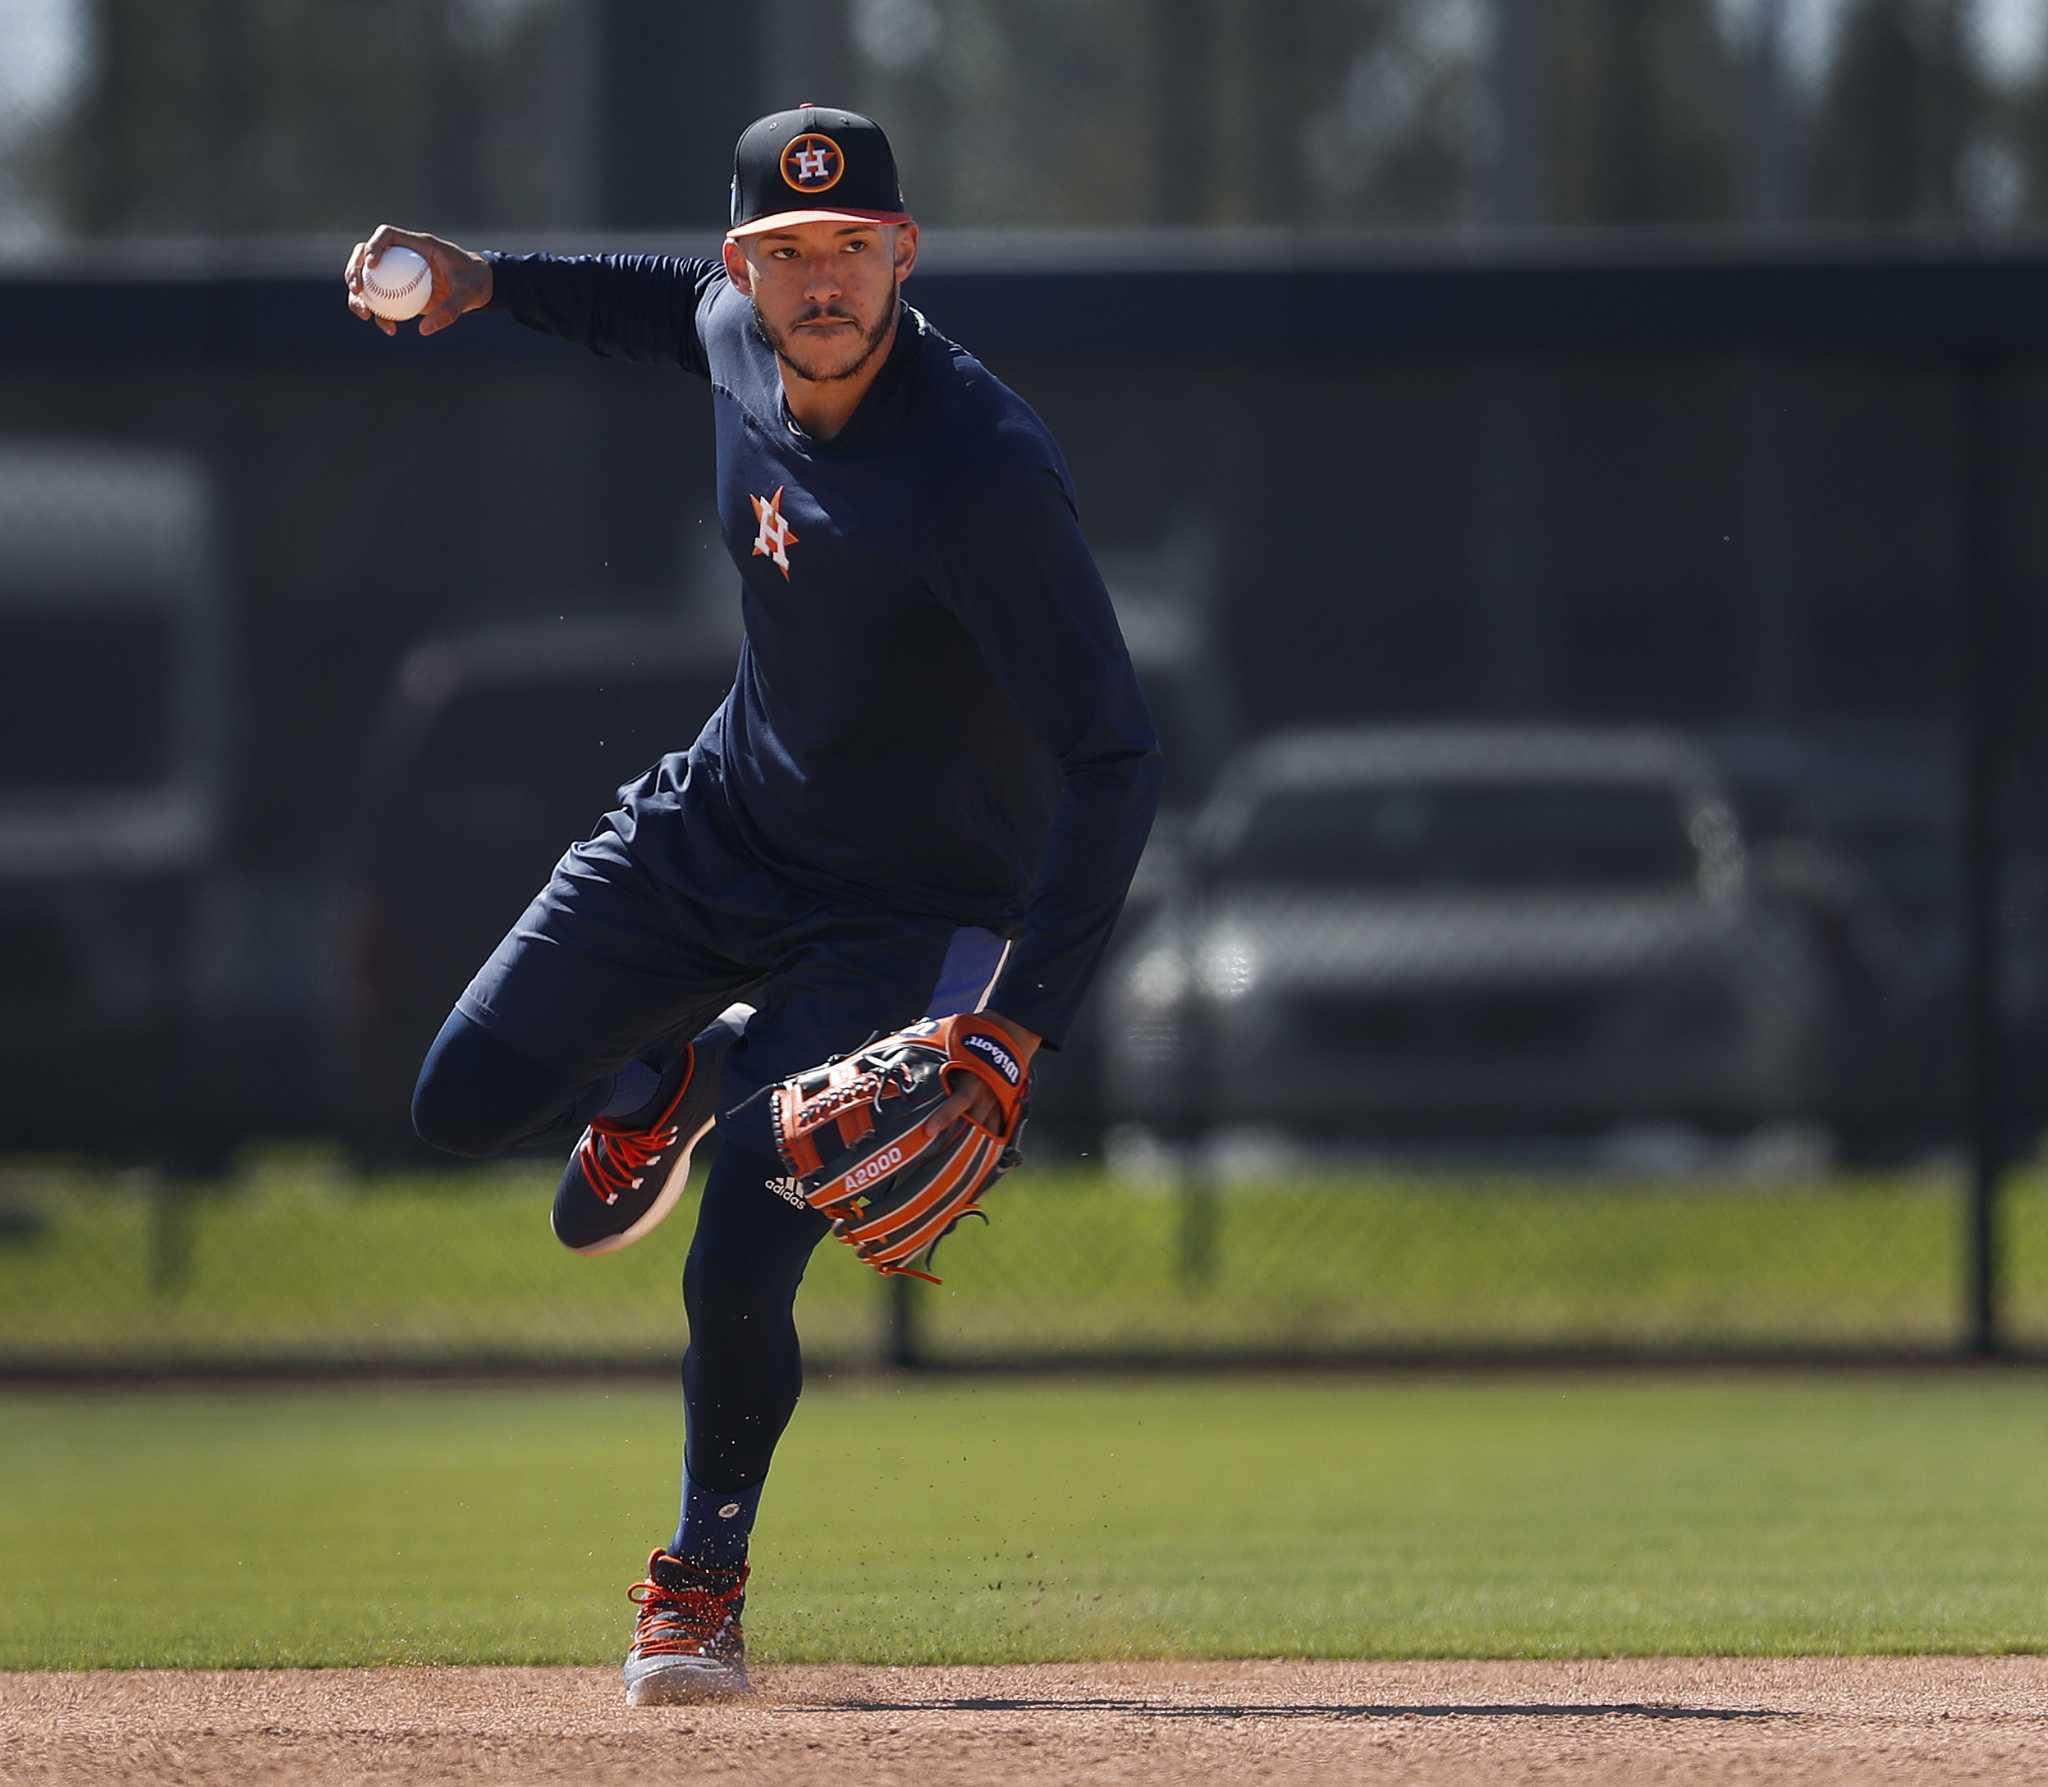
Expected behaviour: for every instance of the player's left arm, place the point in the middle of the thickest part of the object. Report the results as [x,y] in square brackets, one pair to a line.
[1019,575]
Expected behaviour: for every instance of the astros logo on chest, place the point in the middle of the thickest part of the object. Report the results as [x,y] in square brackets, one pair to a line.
[774,538]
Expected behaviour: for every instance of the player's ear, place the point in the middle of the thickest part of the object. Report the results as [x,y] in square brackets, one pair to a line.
[738,269]
[905,249]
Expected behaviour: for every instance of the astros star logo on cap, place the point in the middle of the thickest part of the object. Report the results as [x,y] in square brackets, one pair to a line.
[812,162]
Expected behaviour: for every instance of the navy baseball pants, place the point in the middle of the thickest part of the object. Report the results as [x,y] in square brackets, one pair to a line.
[644,934]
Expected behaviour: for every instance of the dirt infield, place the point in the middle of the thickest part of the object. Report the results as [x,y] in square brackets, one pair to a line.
[1903,1719]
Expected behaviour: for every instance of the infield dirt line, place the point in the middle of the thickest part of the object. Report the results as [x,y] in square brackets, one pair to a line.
[1710,1719]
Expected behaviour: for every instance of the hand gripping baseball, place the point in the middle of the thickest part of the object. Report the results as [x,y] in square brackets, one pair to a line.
[462,280]
[891,1141]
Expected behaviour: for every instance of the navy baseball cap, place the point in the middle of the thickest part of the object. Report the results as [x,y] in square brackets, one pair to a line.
[815,164]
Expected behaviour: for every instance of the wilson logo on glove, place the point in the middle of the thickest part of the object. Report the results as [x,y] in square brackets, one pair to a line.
[1005,1062]
[881,1141]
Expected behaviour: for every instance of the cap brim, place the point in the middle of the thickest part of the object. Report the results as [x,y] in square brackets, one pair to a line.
[783,220]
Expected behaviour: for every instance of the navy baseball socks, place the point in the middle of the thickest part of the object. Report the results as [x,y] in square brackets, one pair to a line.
[634,1160]
[687,1641]
[715,1525]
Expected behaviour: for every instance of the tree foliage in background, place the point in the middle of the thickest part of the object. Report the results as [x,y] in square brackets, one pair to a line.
[1897,114]
[233,118]
[1642,96]
[228,118]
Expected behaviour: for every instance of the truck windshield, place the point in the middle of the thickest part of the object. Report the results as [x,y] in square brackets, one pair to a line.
[1469,834]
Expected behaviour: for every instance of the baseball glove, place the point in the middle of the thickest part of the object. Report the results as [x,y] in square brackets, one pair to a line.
[880,1140]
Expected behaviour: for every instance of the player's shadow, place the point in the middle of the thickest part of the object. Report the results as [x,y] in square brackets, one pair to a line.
[1171,1709]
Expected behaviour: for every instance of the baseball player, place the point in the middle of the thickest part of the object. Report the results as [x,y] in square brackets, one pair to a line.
[924,795]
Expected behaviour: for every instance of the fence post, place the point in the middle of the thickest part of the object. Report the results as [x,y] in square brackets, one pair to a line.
[171,1200]
[900,1339]
[1987,722]
[1197,1214]
[1197,1172]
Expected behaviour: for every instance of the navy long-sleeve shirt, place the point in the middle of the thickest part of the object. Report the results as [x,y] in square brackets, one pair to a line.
[934,709]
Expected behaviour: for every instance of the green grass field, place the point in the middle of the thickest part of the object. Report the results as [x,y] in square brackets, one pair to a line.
[992,1522]
[295,1256]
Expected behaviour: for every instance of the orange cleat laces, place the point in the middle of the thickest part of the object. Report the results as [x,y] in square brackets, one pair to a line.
[699,1620]
[618,1166]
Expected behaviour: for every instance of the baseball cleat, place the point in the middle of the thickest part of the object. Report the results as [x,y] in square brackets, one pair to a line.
[687,1643]
[621,1182]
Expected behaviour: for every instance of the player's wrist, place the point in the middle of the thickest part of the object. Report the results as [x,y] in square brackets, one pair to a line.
[1025,1041]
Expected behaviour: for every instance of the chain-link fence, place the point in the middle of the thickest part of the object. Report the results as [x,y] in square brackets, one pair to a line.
[294,1263]
[1596,907]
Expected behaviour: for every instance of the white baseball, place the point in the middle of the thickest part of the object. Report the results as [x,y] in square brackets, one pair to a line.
[397,284]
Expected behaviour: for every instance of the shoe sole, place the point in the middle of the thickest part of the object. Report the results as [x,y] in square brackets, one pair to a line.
[685,1684]
[656,1213]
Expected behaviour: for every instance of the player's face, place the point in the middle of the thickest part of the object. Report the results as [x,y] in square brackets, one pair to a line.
[825,293]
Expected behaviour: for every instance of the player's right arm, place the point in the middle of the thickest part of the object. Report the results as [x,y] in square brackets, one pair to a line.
[641,307]
[632,306]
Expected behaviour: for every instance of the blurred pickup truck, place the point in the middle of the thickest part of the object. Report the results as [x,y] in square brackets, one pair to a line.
[1453,934]
[112,802]
[500,745]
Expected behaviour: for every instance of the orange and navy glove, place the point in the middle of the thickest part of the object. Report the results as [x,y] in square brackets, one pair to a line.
[881,1141]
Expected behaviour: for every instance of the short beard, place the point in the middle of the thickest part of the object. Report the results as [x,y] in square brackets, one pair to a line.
[870,343]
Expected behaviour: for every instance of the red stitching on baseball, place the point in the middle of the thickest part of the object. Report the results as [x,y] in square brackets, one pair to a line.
[396,291]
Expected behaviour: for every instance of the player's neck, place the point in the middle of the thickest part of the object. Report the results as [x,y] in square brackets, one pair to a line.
[822,409]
